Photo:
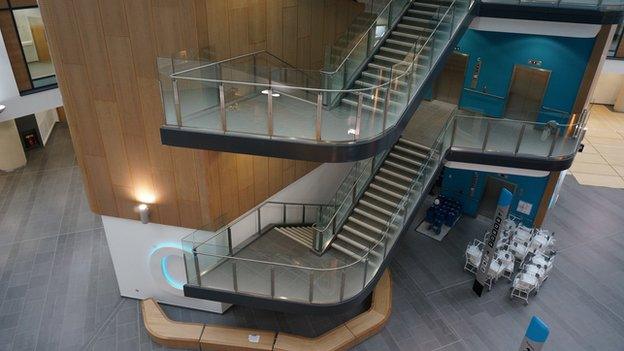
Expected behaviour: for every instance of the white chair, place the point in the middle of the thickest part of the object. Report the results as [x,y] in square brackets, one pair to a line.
[523,285]
[473,256]
[542,241]
[544,261]
[523,234]
[507,261]
[519,250]
[494,273]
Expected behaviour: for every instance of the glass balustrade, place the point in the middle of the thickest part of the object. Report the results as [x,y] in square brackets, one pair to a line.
[581,4]
[260,96]
[213,259]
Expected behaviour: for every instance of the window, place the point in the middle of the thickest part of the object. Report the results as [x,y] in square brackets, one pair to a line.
[27,45]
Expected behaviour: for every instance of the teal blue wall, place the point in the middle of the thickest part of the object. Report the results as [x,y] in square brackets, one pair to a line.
[499,52]
[459,184]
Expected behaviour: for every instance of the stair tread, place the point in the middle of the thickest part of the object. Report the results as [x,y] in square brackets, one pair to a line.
[365,233]
[370,201]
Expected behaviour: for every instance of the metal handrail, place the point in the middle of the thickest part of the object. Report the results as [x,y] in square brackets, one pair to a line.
[364,34]
[382,85]
[246,215]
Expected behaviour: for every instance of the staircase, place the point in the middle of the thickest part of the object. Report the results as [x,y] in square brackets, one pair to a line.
[302,235]
[374,210]
[417,23]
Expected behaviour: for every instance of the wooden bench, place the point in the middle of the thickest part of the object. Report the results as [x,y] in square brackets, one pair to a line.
[167,332]
[210,337]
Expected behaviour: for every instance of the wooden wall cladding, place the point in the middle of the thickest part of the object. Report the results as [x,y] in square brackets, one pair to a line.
[105,58]
[14,49]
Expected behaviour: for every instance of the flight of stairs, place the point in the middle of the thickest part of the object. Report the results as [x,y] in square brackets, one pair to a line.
[418,21]
[342,45]
[374,210]
[302,235]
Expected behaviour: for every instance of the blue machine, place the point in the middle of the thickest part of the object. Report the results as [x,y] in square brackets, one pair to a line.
[445,211]
[535,336]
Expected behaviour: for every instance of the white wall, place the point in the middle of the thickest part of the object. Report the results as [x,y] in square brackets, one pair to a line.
[610,82]
[46,121]
[16,105]
[139,251]
[561,29]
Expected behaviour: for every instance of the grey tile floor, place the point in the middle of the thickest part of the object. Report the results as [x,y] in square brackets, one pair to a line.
[58,289]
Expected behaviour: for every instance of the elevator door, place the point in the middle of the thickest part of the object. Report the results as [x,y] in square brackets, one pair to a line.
[448,87]
[526,93]
[489,200]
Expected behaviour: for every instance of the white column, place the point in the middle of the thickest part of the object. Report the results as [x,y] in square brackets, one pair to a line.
[619,100]
[12,154]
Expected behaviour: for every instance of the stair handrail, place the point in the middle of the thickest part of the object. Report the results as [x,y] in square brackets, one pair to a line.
[362,37]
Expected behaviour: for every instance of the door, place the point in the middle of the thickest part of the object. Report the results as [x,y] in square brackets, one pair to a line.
[448,87]
[526,93]
[489,200]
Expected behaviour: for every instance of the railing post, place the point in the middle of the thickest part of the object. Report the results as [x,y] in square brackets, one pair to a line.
[554,142]
[387,100]
[273,282]
[452,23]
[365,272]
[318,241]
[334,222]
[176,102]
[255,73]
[270,112]
[311,286]
[319,115]
[358,118]
[229,239]
[343,278]
[259,222]
[303,216]
[520,137]
[487,136]
[283,213]
[197,270]
[453,131]
[222,107]
[234,277]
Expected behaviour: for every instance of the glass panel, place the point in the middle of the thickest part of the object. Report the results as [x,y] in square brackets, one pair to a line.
[293,116]
[199,104]
[470,132]
[327,286]
[292,284]
[253,277]
[503,136]
[246,109]
[536,140]
[354,280]
[220,275]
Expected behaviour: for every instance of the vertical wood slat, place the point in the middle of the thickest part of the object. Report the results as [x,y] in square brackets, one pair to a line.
[105,60]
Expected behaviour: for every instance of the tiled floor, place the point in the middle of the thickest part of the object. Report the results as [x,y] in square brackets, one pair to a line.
[58,290]
[602,161]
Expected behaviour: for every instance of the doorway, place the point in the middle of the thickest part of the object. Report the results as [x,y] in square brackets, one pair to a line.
[526,93]
[489,200]
[449,85]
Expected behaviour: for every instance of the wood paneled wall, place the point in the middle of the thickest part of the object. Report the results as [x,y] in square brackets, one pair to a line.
[105,52]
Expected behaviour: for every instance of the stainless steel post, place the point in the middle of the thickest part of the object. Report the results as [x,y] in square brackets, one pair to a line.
[273,282]
[487,135]
[343,278]
[229,239]
[259,222]
[197,270]
[387,100]
[284,213]
[520,137]
[311,286]
[222,107]
[358,118]
[554,142]
[319,115]
[365,272]
[270,113]
[303,215]
[234,277]
[453,131]
[176,102]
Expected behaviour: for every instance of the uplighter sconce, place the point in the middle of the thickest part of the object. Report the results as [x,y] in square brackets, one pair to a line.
[2,108]
[144,213]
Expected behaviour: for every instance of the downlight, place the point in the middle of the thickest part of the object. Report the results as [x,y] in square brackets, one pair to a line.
[266,92]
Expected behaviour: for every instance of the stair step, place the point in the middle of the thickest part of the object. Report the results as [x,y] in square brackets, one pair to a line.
[410,152]
[405,159]
[376,205]
[381,197]
[412,171]
[414,145]
[391,182]
[367,223]
[379,66]
[406,35]
[372,214]
[413,28]
[347,249]
[388,171]
[356,241]
[362,232]
[294,235]
[386,191]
